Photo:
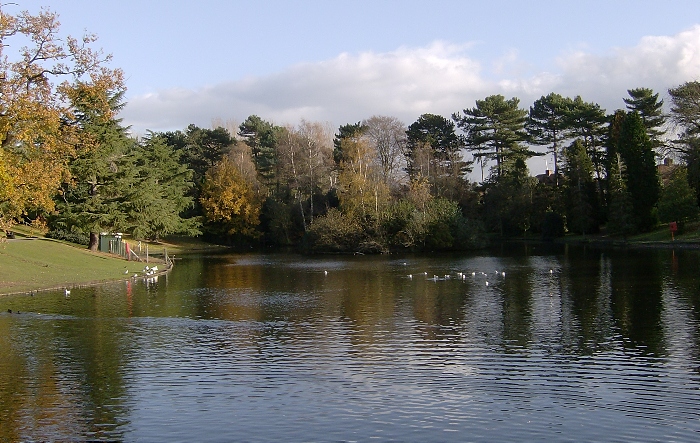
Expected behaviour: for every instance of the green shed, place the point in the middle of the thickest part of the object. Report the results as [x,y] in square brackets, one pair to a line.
[110,242]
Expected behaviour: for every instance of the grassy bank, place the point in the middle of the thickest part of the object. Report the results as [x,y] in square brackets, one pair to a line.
[33,264]
[660,237]
[183,245]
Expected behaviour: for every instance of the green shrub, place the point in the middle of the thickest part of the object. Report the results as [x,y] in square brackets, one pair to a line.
[73,237]
[334,232]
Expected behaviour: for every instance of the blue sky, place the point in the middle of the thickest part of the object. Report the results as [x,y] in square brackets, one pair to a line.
[341,62]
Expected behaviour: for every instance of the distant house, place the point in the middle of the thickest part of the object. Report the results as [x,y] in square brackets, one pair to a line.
[548,178]
[665,170]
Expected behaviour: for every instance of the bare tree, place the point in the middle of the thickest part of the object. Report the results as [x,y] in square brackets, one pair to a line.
[387,135]
[317,141]
[306,156]
[242,159]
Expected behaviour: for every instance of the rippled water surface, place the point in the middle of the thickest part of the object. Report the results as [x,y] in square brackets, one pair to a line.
[562,344]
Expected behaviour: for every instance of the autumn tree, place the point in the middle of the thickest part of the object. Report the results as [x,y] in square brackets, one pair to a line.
[350,131]
[240,154]
[362,192]
[39,70]
[315,141]
[305,157]
[230,205]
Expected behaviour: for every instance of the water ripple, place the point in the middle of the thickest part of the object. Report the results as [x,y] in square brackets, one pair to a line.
[368,354]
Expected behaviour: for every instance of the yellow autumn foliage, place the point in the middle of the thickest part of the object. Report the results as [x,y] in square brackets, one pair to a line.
[362,191]
[38,130]
[228,200]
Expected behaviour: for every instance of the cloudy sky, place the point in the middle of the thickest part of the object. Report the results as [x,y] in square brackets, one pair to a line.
[343,61]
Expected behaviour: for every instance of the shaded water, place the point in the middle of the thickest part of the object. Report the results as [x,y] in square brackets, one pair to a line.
[572,344]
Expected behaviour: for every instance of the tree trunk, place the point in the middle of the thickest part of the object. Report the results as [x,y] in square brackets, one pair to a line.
[94,241]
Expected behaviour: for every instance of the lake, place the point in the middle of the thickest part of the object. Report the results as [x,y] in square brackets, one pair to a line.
[518,343]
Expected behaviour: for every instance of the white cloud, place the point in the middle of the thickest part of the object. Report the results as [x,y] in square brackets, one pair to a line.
[657,62]
[403,83]
[440,78]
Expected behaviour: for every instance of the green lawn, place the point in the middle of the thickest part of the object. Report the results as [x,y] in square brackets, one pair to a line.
[661,236]
[691,233]
[32,264]
[183,245]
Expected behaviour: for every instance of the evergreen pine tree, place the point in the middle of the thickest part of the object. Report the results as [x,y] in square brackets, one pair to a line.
[650,108]
[620,219]
[579,189]
[641,176]
[548,124]
[433,150]
[262,137]
[154,207]
[495,130]
[91,201]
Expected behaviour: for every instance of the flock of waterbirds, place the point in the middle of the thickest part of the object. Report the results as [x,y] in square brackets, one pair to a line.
[149,274]
[457,276]
[150,271]
[460,276]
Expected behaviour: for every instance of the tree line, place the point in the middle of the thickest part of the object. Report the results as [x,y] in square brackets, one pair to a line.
[68,162]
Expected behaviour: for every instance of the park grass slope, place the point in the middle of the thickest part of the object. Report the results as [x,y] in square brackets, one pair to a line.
[34,264]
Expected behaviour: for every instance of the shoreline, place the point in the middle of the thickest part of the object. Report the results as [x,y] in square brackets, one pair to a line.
[31,265]
[39,265]
[88,284]
[610,243]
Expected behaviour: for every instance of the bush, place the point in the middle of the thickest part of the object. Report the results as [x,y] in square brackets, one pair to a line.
[678,201]
[73,237]
[334,232]
[469,234]
[442,227]
[397,218]
[552,226]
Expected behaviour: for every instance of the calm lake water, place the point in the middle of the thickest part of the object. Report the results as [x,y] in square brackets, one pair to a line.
[571,344]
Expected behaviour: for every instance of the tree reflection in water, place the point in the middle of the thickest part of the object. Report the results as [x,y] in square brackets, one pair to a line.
[290,347]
